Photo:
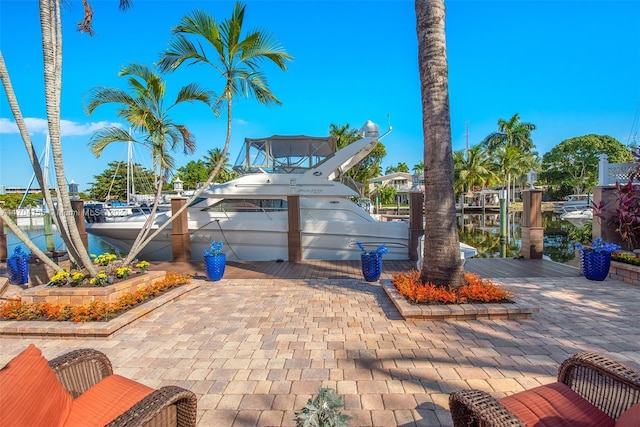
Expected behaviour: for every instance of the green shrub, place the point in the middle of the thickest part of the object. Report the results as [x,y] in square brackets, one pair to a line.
[582,235]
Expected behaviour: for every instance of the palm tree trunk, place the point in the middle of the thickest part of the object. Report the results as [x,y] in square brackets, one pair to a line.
[52,52]
[442,265]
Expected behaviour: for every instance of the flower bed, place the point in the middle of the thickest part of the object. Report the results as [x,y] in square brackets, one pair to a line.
[476,290]
[624,271]
[87,294]
[96,310]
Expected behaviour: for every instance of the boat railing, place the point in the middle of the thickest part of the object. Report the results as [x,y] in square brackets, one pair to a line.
[611,173]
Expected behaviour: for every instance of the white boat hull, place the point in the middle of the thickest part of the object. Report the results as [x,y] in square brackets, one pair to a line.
[266,240]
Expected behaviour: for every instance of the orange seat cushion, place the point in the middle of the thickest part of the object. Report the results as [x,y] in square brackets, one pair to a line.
[555,405]
[630,417]
[30,393]
[105,401]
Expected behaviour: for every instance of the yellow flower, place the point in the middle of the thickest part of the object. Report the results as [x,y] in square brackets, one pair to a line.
[142,265]
[123,272]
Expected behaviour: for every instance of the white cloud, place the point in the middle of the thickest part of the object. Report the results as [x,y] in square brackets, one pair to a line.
[241,122]
[67,127]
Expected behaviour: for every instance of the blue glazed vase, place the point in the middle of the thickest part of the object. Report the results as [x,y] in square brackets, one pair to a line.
[595,265]
[371,266]
[214,266]
[18,267]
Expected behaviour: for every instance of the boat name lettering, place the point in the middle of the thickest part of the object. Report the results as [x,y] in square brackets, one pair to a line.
[309,190]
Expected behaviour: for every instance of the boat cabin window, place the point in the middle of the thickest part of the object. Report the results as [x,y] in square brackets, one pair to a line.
[249,205]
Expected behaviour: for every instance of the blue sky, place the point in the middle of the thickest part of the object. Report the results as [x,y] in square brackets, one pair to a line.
[572,68]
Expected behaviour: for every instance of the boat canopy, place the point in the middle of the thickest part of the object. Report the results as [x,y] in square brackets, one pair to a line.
[283,154]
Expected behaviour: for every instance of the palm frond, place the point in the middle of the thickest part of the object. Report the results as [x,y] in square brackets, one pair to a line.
[105,136]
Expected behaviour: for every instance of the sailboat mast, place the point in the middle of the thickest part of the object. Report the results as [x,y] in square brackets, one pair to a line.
[130,189]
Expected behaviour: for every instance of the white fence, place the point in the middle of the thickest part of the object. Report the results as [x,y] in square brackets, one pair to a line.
[610,173]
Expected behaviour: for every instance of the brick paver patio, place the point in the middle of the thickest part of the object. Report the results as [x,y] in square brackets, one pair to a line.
[255,350]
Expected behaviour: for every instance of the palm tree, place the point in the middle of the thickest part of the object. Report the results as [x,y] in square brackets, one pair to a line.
[419,167]
[236,60]
[144,110]
[211,160]
[442,265]
[511,132]
[473,168]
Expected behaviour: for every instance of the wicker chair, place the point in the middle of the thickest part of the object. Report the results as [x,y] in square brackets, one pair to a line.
[79,370]
[609,386]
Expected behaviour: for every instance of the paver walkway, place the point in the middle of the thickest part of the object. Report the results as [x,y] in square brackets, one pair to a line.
[255,350]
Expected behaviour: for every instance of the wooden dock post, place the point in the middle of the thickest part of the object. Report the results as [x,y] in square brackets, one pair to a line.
[294,235]
[180,243]
[416,223]
[532,231]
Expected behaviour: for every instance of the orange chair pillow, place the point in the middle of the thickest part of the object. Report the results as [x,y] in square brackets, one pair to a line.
[30,393]
[630,417]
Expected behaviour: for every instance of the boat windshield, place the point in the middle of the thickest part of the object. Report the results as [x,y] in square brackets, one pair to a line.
[249,205]
[283,154]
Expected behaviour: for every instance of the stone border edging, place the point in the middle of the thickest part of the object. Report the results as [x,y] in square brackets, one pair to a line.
[68,329]
[456,311]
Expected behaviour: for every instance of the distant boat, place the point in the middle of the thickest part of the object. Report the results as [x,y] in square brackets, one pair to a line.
[575,202]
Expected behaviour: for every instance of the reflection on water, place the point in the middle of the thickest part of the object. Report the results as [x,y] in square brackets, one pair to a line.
[483,233]
[37,236]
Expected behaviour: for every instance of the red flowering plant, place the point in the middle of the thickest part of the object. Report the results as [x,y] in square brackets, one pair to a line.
[625,216]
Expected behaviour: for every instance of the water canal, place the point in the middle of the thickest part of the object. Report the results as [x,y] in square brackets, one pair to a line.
[477,230]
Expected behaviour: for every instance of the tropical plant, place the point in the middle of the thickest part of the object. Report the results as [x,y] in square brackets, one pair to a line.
[400,167]
[473,168]
[511,132]
[419,167]
[442,265]
[211,160]
[582,235]
[512,144]
[144,110]
[234,59]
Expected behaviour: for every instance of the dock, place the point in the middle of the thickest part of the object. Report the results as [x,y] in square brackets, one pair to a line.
[314,269]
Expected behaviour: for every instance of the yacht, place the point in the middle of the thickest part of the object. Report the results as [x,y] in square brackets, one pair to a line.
[250,213]
[575,202]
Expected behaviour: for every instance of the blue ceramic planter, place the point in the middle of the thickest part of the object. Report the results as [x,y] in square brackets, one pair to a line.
[371,266]
[595,265]
[214,266]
